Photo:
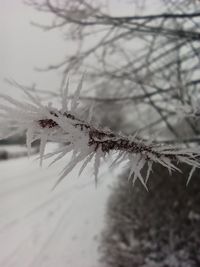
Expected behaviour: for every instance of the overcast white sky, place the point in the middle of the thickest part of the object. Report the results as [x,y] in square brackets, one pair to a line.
[24,47]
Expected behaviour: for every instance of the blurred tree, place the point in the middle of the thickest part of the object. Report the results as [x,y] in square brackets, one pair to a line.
[142,64]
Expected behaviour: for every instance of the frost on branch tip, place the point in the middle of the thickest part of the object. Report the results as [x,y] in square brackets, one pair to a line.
[69,126]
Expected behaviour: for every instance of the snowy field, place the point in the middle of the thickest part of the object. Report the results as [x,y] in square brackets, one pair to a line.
[40,227]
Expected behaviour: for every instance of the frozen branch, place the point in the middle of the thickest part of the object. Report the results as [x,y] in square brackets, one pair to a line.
[73,129]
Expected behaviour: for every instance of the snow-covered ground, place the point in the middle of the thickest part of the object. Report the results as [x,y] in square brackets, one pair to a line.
[40,227]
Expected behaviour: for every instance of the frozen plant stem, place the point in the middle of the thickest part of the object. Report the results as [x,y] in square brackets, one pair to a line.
[74,131]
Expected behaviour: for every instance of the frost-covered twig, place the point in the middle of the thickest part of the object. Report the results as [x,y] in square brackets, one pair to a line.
[78,135]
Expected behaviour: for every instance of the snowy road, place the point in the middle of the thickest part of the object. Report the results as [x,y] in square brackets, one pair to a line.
[40,227]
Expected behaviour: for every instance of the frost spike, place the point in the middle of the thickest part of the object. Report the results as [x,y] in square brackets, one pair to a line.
[149,169]
[190,174]
[96,166]
[69,168]
[43,142]
[85,163]
[62,154]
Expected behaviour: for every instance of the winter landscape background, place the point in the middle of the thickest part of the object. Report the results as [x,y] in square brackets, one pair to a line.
[150,73]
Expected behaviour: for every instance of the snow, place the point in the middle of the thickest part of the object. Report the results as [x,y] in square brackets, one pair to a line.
[44,227]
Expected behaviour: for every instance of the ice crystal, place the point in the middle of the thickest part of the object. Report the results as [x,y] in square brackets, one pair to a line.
[86,142]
